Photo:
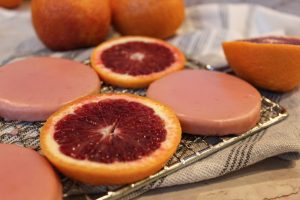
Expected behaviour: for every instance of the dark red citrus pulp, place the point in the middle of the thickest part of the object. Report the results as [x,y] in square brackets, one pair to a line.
[137,58]
[274,40]
[110,130]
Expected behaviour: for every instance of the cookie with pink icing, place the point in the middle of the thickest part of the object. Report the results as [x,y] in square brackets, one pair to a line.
[209,103]
[27,175]
[33,88]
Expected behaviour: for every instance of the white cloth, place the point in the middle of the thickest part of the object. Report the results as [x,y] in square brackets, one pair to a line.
[208,25]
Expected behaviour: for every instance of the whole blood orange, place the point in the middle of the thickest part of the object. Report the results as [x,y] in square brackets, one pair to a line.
[10,3]
[152,18]
[134,62]
[69,24]
[111,138]
[268,62]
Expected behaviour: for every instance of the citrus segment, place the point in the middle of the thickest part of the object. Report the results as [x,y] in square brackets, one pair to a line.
[135,62]
[111,138]
[268,62]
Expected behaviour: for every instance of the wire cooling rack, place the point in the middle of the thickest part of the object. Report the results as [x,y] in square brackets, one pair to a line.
[191,148]
[194,148]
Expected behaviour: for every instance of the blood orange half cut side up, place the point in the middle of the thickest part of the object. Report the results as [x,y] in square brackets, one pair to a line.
[111,138]
[270,62]
[135,62]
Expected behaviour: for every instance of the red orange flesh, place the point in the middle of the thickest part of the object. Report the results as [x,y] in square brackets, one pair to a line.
[137,54]
[92,169]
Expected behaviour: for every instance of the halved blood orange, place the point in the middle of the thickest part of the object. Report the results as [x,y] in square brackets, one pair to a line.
[135,62]
[268,62]
[111,138]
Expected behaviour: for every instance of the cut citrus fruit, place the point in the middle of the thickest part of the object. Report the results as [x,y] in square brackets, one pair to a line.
[110,138]
[134,62]
[268,62]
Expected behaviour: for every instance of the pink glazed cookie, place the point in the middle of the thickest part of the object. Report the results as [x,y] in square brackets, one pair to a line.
[25,174]
[33,88]
[209,103]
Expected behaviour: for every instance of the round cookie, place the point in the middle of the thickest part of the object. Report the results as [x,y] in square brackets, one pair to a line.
[209,103]
[27,175]
[33,88]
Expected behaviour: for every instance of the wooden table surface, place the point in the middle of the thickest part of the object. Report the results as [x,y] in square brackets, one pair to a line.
[271,179]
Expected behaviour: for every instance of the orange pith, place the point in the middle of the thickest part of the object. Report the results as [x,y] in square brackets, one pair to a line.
[130,81]
[270,66]
[96,173]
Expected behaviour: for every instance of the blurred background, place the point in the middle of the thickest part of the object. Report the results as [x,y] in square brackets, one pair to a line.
[289,6]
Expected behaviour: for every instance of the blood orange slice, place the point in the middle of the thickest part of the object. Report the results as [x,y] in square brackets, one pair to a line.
[268,62]
[110,138]
[135,62]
